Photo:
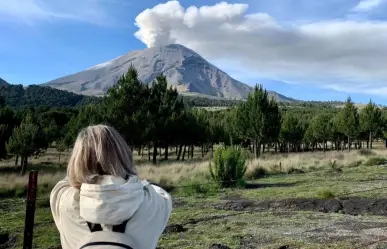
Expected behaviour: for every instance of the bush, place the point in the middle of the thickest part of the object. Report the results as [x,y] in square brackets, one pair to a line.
[365,152]
[295,171]
[325,194]
[355,164]
[257,173]
[197,189]
[376,161]
[228,167]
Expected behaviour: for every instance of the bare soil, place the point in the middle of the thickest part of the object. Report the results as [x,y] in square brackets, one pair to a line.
[352,206]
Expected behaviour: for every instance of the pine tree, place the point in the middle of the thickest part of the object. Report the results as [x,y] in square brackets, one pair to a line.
[253,117]
[321,128]
[126,107]
[370,121]
[291,131]
[349,121]
[7,123]
[24,142]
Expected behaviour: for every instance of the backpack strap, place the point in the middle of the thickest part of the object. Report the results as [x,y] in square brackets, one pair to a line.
[121,227]
[105,243]
[117,228]
[94,227]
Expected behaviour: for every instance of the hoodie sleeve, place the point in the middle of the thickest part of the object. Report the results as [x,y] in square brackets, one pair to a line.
[55,199]
[161,199]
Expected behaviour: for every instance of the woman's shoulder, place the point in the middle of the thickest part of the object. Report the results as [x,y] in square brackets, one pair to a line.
[157,195]
[63,195]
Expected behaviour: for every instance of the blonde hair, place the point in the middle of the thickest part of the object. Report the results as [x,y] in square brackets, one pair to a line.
[99,150]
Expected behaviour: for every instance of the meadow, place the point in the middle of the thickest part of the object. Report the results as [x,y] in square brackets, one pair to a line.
[304,200]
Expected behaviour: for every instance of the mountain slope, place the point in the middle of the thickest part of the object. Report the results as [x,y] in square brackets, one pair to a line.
[184,68]
[3,82]
[17,96]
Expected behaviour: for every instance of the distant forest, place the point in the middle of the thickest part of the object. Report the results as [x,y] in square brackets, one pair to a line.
[155,117]
[17,96]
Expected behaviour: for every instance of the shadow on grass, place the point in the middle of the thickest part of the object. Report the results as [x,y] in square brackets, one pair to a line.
[269,185]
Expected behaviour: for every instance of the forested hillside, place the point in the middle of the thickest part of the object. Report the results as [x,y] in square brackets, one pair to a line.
[155,117]
[33,95]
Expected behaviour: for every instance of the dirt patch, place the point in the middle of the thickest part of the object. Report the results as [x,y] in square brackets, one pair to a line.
[174,228]
[7,240]
[218,246]
[352,206]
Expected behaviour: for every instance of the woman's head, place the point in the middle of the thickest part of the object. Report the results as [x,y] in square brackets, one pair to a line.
[99,150]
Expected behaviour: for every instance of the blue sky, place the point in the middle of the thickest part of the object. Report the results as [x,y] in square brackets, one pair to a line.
[305,49]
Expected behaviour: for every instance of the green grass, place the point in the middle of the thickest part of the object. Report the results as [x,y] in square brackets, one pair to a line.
[206,225]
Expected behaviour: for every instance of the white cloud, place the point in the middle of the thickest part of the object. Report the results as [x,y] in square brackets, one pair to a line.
[32,11]
[366,5]
[344,53]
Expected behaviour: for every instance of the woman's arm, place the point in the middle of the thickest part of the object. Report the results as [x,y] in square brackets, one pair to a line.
[55,199]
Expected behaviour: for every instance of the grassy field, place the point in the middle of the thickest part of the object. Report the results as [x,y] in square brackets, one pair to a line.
[305,200]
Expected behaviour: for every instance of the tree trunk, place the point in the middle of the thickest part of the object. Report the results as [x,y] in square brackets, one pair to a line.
[385,142]
[192,150]
[17,158]
[202,150]
[258,149]
[263,148]
[288,147]
[349,143]
[276,147]
[166,153]
[184,152]
[324,146]
[255,148]
[24,163]
[370,139]
[179,153]
[59,157]
[142,151]
[149,152]
[154,152]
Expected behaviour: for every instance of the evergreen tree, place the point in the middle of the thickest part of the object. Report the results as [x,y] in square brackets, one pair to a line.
[126,107]
[321,128]
[24,142]
[291,132]
[254,117]
[349,121]
[166,110]
[7,123]
[370,121]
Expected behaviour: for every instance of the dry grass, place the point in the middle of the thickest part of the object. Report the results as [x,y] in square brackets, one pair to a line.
[310,160]
[177,173]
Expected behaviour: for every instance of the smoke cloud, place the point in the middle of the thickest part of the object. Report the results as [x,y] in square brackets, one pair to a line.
[344,55]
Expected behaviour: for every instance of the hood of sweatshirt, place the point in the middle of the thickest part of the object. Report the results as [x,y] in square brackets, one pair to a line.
[111,200]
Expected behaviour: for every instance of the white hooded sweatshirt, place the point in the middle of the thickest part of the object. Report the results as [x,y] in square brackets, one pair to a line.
[110,202]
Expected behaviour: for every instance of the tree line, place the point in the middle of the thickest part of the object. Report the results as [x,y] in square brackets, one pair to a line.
[157,123]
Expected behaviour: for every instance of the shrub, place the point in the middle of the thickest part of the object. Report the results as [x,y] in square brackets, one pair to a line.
[197,189]
[229,166]
[325,194]
[257,173]
[276,168]
[295,171]
[165,184]
[376,161]
[365,152]
[355,164]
